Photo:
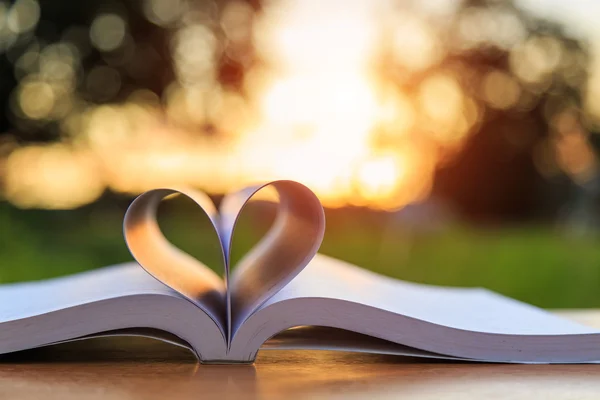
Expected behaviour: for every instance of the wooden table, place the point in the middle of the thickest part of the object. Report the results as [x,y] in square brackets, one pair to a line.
[132,368]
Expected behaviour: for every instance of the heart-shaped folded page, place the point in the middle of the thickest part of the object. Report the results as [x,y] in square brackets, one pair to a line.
[289,245]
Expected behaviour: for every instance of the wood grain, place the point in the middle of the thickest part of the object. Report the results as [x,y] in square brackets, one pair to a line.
[132,368]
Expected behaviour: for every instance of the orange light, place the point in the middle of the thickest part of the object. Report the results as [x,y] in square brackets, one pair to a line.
[315,109]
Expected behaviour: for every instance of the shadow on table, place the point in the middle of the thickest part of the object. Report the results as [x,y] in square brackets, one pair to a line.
[119,367]
[133,367]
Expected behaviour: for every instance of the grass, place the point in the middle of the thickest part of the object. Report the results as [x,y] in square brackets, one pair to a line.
[536,264]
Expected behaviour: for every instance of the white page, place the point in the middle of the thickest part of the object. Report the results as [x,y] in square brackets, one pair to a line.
[465,323]
[102,302]
[26,299]
[471,309]
[289,245]
[281,254]
[167,263]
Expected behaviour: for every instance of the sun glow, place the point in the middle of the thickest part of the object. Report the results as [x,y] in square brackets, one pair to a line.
[315,109]
[321,104]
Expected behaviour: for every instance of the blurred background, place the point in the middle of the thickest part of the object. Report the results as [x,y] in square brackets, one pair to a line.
[452,142]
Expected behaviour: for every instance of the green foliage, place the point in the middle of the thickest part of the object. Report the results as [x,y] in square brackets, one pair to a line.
[535,264]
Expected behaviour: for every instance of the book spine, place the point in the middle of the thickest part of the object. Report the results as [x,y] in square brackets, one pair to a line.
[227,362]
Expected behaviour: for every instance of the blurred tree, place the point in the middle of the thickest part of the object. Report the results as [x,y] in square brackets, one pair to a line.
[511,168]
[526,148]
[60,50]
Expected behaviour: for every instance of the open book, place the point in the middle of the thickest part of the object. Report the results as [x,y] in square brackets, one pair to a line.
[281,284]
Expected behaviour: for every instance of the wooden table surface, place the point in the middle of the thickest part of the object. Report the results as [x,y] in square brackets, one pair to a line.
[132,368]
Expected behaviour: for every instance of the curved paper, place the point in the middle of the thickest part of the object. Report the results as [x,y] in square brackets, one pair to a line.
[285,250]
[167,263]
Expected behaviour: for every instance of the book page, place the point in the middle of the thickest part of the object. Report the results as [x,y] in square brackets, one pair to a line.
[473,309]
[282,253]
[102,302]
[167,263]
[285,250]
[466,323]
[27,299]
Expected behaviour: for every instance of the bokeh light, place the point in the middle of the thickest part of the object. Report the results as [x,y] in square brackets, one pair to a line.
[363,101]
[108,31]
